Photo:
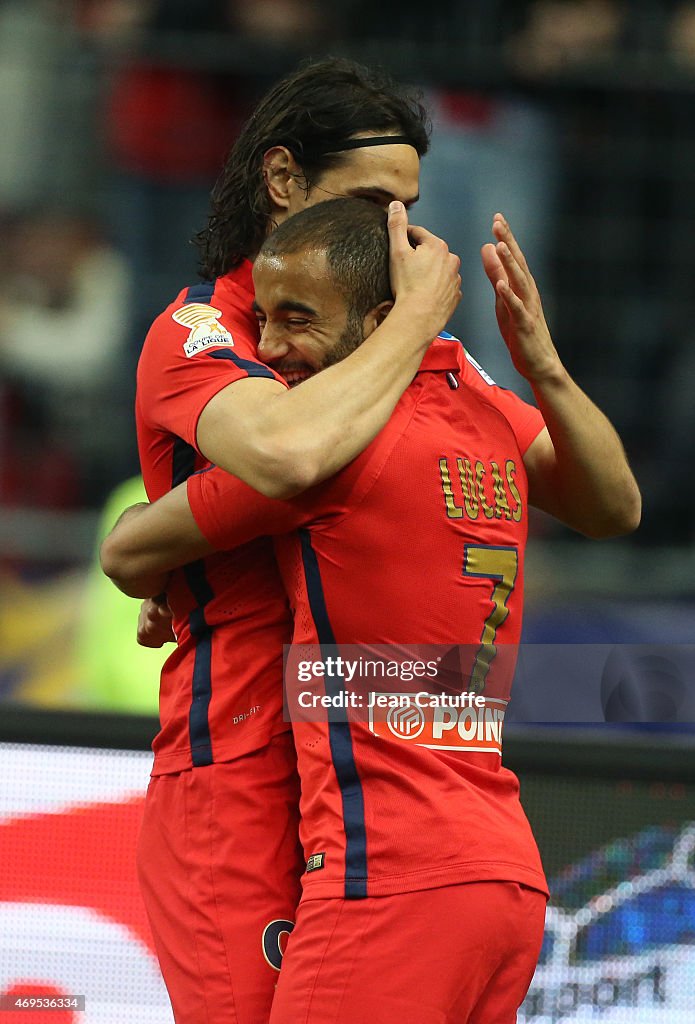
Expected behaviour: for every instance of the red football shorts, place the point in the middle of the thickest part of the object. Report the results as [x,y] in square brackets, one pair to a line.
[461,954]
[219,863]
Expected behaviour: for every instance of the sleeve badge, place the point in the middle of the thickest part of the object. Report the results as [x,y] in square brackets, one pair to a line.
[206,331]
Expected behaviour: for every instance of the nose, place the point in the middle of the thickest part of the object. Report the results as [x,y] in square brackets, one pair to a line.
[273,345]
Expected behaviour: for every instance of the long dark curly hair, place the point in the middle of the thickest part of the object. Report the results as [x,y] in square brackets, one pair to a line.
[318,107]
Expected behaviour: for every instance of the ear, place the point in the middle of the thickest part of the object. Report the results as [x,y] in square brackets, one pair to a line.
[282,175]
[376,316]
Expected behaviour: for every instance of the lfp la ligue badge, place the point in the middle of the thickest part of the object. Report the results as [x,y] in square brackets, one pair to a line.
[206,330]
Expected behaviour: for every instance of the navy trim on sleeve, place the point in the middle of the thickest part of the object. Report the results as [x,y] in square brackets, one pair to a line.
[340,738]
[252,368]
[182,461]
[200,292]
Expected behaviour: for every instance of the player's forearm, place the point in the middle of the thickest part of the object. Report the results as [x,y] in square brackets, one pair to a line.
[590,485]
[148,541]
[124,561]
[326,422]
[583,477]
[281,443]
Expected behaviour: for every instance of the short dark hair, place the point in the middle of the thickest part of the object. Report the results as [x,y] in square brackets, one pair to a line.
[320,106]
[354,236]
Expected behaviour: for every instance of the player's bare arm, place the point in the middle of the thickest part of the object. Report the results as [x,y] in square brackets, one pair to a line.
[282,442]
[577,467]
[149,541]
[146,544]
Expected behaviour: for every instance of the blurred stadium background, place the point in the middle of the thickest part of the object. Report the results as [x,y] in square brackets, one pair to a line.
[576,118]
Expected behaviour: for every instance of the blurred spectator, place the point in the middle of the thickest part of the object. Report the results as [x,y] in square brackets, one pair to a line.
[680,35]
[37,638]
[170,122]
[28,46]
[167,127]
[70,640]
[280,22]
[490,153]
[113,672]
[111,19]
[560,34]
[65,299]
[668,474]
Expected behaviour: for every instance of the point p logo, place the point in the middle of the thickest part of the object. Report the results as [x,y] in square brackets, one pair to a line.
[407,722]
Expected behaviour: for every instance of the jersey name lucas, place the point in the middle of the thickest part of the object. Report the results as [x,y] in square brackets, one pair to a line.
[478,489]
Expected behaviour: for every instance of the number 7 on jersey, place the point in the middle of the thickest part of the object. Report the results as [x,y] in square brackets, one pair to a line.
[500,565]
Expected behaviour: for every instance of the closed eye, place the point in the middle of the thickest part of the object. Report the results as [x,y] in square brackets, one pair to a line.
[380,197]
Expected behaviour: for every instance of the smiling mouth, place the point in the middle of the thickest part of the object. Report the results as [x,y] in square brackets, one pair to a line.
[295,377]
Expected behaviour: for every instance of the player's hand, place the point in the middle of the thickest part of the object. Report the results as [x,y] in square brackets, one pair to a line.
[424,273]
[518,306]
[155,623]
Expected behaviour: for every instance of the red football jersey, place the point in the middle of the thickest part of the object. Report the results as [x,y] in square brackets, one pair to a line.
[220,693]
[420,540]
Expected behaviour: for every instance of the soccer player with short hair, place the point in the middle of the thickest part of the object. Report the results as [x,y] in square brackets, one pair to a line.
[417,850]
[218,857]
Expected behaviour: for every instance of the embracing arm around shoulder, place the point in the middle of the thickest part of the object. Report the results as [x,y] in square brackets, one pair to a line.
[282,442]
[577,467]
[148,541]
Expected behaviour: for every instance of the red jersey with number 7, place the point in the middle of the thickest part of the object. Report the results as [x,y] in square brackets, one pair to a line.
[419,541]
